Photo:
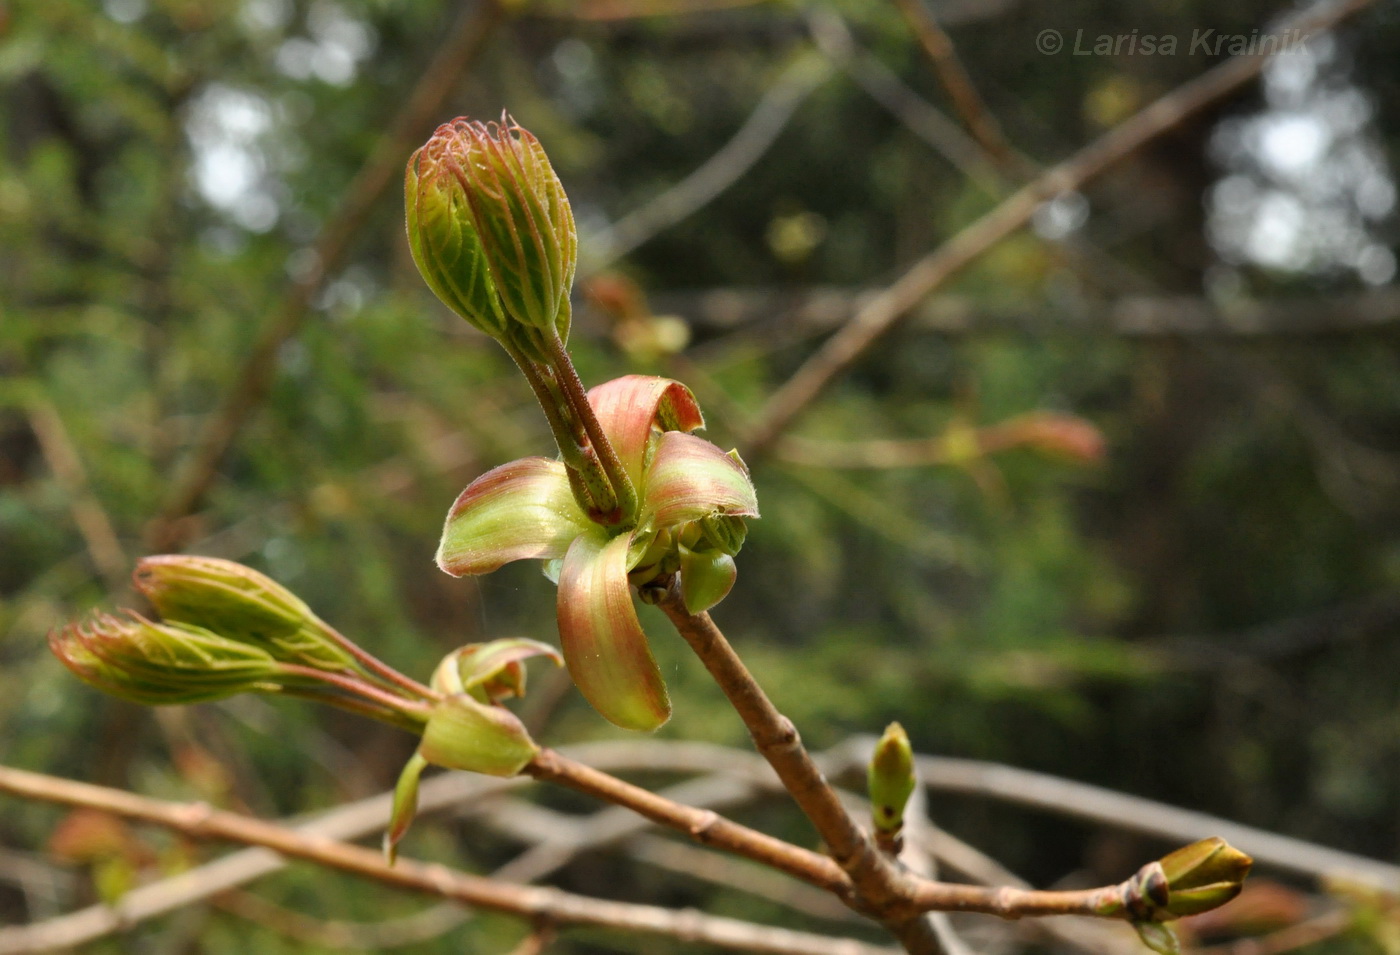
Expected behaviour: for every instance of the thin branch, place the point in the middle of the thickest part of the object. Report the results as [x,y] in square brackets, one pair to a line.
[89,516]
[719,172]
[880,83]
[1067,435]
[818,309]
[967,102]
[877,883]
[453,58]
[721,870]
[868,325]
[1310,932]
[200,821]
[1134,814]
[703,825]
[339,935]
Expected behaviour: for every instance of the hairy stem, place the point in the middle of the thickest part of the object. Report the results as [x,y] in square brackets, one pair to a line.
[567,376]
[359,688]
[588,479]
[378,667]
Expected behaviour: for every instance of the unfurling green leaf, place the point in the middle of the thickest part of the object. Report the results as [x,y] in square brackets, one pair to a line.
[489,672]
[1158,936]
[405,805]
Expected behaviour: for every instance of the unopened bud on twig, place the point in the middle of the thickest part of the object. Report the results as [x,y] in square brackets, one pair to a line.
[1193,879]
[239,603]
[491,229]
[161,663]
[891,780]
[468,729]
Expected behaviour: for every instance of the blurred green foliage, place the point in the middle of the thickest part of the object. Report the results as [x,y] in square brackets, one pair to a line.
[1207,617]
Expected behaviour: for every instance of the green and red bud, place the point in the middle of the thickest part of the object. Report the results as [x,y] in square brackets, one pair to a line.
[693,500]
[240,604]
[491,229]
[162,663]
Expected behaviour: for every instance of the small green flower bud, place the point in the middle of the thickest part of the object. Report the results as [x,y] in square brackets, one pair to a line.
[161,663]
[241,604]
[491,228]
[890,777]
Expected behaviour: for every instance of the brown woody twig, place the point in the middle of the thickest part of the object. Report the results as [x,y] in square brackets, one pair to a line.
[967,102]
[203,822]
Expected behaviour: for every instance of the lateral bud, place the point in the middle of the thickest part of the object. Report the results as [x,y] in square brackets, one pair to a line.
[890,777]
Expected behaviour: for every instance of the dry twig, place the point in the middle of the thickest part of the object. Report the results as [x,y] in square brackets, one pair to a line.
[203,822]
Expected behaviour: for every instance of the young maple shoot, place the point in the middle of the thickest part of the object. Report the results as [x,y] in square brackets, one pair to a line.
[634,501]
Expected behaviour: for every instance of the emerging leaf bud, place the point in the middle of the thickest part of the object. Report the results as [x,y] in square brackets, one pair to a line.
[240,604]
[890,777]
[489,672]
[491,228]
[161,663]
[1204,875]
[1189,881]
[468,729]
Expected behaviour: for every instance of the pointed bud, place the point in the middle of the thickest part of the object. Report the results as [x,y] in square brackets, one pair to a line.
[479,737]
[491,228]
[1193,879]
[890,777]
[1204,875]
[241,604]
[161,663]
[405,805]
